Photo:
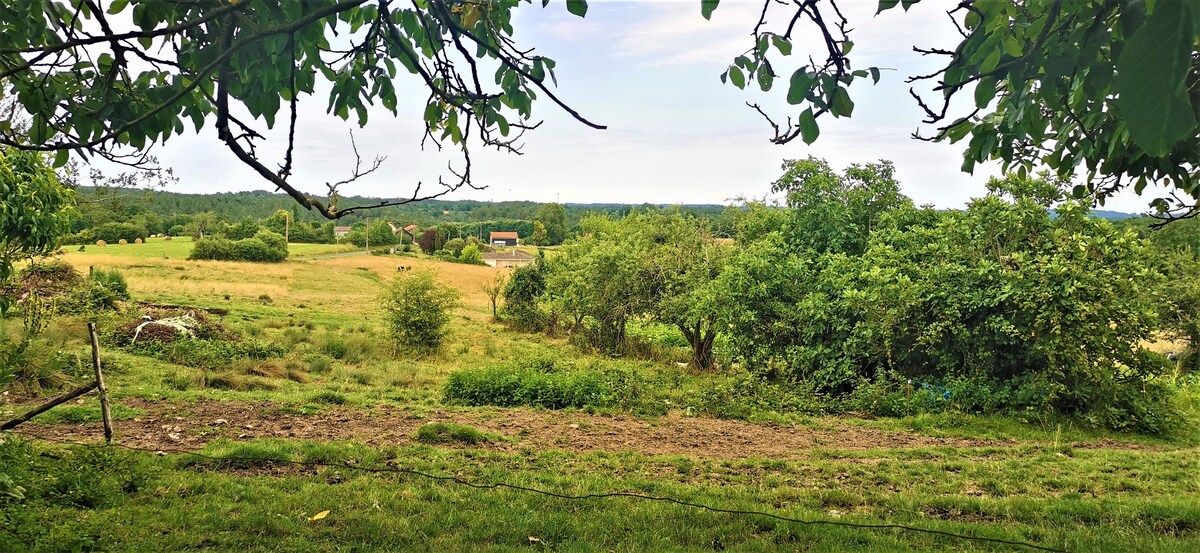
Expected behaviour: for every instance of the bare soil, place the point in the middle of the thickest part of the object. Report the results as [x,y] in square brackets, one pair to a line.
[175,426]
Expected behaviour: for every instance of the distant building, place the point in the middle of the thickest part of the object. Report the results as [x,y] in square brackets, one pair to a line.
[339,232]
[515,258]
[410,230]
[503,239]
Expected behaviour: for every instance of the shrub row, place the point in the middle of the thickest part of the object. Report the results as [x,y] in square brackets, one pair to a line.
[263,247]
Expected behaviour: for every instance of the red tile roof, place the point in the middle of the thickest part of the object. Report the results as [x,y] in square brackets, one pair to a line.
[504,236]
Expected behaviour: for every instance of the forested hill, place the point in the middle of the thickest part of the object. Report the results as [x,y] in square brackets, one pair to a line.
[258,204]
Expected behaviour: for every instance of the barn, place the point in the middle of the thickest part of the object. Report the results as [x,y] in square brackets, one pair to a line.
[503,239]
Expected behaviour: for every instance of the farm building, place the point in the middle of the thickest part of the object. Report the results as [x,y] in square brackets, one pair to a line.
[503,239]
[515,258]
[339,232]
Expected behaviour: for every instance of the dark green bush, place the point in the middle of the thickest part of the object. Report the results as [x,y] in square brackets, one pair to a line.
[115,232]
[263,247]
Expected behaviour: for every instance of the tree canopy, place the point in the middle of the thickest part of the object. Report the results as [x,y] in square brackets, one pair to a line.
[1096,89]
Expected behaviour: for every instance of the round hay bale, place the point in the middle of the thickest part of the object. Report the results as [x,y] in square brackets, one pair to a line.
[101,243]
[122,242]
[167,237]
[137,240]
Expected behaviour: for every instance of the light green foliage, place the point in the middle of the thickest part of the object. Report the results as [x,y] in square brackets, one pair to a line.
[417,311]
[539,237]
[832,212]
[471,255]
[35,211]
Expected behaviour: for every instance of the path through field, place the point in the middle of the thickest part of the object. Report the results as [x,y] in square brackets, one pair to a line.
[189,426]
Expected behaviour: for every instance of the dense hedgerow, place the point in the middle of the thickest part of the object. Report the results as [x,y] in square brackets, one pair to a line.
[264,247]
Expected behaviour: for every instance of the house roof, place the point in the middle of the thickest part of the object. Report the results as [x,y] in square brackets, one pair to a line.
[410,228]
[504,236]
[515,255]
[342,228]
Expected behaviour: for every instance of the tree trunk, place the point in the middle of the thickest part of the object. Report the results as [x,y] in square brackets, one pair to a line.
[701,343]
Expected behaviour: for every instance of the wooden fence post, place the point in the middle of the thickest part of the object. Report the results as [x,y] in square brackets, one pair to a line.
[104,412]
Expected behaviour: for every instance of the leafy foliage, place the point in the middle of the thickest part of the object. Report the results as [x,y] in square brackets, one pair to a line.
[264,247]
[417,311]
[35,212]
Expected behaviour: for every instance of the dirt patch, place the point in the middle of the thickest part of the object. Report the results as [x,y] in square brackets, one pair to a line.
[190,426]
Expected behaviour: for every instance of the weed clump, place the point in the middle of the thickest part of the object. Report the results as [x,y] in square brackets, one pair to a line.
[448,432]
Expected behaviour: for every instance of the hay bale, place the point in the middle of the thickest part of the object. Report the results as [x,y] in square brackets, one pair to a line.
[101,243]
[137,240]
[123,242]
[167,237]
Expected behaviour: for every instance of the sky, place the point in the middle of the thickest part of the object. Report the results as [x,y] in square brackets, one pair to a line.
[676,135]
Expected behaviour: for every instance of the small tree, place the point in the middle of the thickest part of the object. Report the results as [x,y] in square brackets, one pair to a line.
[471,255]
[428,241]
[493,290]
[417,310]
[455,246]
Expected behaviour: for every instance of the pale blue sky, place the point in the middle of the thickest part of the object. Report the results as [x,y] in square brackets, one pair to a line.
[649,70]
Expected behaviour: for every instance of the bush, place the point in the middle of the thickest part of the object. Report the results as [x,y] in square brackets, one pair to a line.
[115,232]
[206,354]
[264,247]
[471,255]
[417,310]
[215,248]
[521,296]
[113,281]
[454,246]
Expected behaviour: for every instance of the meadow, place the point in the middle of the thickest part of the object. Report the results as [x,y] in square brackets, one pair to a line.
[334,441]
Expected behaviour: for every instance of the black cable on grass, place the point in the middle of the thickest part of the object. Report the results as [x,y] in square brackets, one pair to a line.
[515,487]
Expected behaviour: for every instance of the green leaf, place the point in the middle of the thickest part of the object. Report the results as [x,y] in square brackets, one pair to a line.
[985,90]
[809,131]
[735,75]
[875,74]
[61,157]
[1012,46]
[577,7]
[707,7]
[886,5]
[782,44]
[117,6]
[842,105]
[1151,80]
[765,77]
[799,86]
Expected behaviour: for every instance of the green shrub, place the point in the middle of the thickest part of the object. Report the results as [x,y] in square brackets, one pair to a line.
[215,248]
[454,247]
[113,280]
[539,385]
[447,432]
[263,247]
[115,232]
[471,255]
[417,310]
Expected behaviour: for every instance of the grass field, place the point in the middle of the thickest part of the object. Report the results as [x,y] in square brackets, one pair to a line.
[337,423]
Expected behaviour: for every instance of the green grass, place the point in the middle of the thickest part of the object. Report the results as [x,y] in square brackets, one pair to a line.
[179,247]
[324,315]
[448,432]
[1077,500]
